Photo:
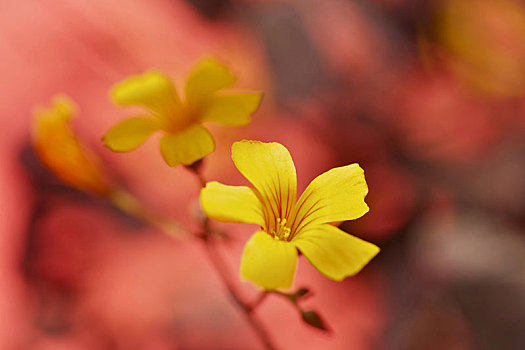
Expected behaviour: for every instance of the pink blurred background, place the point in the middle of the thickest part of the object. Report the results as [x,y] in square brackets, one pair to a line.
[427,96]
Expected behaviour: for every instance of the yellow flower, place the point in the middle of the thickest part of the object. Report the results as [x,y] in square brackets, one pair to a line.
[59,148]
[184,139]
[287,224]
[486,38]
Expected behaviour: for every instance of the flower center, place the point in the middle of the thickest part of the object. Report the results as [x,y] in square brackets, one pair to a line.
[281,232]
[181,120]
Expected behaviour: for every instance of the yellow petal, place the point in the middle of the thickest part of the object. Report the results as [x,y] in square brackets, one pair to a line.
[130,133]
[152,89]
[62,110]
[269,167]
[231,203]
[267,262]
[186,147]
[337,195]
[333,252]
[232,109]
[207,77]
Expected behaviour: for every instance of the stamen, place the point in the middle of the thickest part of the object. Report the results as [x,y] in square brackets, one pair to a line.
[282,232]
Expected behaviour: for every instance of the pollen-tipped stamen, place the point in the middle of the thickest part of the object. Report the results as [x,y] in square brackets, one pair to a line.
[282,232]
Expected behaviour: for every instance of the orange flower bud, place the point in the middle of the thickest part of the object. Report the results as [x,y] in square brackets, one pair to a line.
[60,150]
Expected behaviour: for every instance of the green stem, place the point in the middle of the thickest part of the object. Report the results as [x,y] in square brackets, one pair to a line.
[130,205]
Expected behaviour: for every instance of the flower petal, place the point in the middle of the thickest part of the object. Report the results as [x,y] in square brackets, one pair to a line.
[269,167]
[208,77]
[130,133]
[267,262]
[335,195]
[152,89]
[232,109]
[186,147]
[231,203]
[336,254]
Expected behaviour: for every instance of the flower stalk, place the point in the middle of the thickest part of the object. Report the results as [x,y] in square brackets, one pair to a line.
[130,205]
[207,236]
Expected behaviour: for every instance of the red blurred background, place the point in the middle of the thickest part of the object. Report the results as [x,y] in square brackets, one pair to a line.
[428,96]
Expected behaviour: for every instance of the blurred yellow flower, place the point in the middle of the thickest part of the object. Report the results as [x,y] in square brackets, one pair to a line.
[287,224]
[185,140]
[487,40]
[59,148]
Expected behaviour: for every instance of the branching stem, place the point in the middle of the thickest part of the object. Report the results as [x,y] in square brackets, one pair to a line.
[220,266]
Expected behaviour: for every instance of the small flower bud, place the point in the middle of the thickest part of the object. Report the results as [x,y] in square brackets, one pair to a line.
[313,319]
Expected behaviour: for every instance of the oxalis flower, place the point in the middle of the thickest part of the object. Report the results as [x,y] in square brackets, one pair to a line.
[289,225]
[184,139]
[60,149]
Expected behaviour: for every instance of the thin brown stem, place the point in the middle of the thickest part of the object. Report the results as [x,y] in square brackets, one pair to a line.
[220,266]
[126,202]
[262,296]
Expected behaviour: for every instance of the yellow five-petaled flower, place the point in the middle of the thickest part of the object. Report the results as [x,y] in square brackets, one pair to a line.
[287,224]
[185,140]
